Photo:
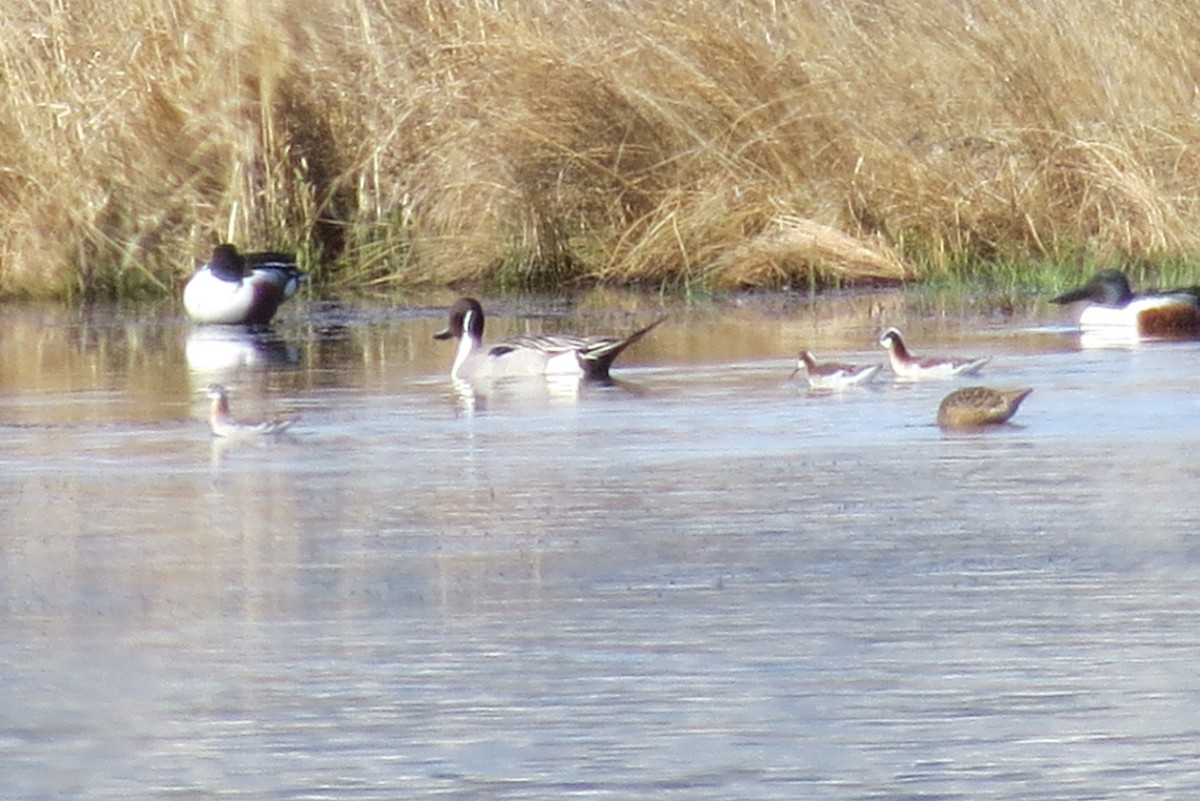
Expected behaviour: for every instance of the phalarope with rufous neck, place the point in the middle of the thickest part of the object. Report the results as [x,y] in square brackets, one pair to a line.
[833,375]
[224,425]
[910,367]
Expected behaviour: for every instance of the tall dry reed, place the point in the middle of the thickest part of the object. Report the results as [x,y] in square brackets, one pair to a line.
[543,142]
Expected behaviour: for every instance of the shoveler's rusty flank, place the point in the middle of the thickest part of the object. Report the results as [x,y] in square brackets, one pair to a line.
[977,407]
[909,367]
[833,375]
[1114,309]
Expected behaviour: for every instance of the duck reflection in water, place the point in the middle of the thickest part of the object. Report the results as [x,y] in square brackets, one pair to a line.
[532,393]
[220,354]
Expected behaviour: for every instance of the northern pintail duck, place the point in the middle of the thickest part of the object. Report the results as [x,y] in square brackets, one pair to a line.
[907,366]
[833,375]
[975,407]
[588,357]
[224,425]
[1114,309]
[241,289]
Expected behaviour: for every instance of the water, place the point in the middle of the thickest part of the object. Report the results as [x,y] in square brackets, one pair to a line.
[700,583]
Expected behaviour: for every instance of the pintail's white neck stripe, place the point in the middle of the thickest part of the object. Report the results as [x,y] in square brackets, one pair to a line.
[467,345]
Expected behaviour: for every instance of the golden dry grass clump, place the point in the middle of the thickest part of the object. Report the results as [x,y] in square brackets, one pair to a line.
[539,142]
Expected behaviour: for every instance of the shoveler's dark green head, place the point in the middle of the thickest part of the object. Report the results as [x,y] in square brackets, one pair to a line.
[1107,287]
[227,264]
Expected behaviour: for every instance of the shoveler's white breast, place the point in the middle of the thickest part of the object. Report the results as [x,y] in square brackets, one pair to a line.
[1148,316]
[210,299]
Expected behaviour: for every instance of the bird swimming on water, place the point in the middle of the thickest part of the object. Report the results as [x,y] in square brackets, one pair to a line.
[907,366]
[976,407]
[588,357]
[1114,309]
[833,375]
[224,425]
[241,289]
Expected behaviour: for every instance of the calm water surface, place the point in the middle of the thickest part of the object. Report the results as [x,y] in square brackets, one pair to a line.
[702,582]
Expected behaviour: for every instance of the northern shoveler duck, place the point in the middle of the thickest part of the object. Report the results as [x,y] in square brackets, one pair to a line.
[241,289]
[833,375]
[1115,309]
[975,407]
[223,424]
[587,357]
[909,367]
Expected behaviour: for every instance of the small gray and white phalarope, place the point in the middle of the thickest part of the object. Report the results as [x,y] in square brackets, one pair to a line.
[833,375]
[909,367]
[224,425]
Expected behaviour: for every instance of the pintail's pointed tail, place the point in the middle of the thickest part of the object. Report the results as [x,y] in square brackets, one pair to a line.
[597,358]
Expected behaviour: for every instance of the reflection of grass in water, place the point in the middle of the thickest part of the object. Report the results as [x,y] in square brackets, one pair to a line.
[726,144]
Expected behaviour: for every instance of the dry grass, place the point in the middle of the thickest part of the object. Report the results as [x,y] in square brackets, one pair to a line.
[541,142]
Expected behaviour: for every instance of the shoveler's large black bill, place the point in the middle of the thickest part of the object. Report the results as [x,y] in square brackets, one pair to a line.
[1083,293]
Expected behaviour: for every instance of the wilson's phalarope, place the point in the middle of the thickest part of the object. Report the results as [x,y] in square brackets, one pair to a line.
[975,407]
[237,289]
[907,366]
[833,375]
[223,424]
[1114,309]
[587,357]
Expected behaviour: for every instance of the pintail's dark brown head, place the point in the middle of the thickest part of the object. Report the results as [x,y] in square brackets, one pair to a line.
[466,317]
